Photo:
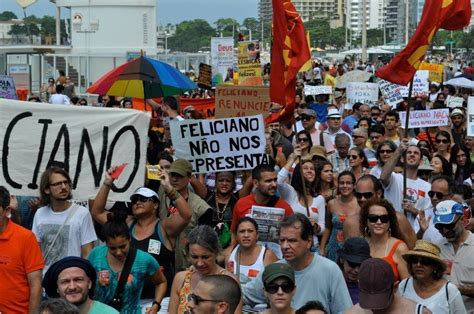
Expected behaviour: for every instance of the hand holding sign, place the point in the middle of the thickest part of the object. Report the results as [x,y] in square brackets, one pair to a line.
[165,180]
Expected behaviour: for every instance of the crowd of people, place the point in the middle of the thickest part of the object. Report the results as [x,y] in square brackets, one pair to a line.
[355,238]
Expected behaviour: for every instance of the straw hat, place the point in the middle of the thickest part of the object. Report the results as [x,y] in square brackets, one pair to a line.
[316,150]
[426,249]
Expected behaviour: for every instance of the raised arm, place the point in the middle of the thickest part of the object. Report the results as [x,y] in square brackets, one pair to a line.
[389,166]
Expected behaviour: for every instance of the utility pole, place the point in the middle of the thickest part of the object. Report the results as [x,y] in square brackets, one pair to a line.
[364,31]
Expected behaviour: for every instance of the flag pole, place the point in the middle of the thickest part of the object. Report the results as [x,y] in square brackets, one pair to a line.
[410,90]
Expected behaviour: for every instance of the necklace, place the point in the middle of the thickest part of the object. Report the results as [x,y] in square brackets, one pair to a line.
[221,212]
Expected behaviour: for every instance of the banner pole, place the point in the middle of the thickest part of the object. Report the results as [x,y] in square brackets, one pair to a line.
[407,119]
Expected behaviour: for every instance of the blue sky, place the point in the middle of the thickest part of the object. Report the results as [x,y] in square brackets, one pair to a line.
[168,11]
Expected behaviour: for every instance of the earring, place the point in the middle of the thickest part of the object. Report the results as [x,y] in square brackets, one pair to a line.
[367,231]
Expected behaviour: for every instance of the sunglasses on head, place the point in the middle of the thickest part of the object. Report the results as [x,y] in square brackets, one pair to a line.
[134,199]
[366,195]
[444,141]
[421,260]
[439,195]
[375,218]
[286,287]
[450,226]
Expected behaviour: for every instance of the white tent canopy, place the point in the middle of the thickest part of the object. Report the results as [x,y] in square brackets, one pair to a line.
[369,50]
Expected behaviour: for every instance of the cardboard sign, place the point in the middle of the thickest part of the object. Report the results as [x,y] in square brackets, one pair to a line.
[239,101]
[86,141]
[453,102]
[436,71]
[470,115]
[366,93]
[221,144]
[317,90]
[248,63]
[205,76]
[222,59]
[392,93]
[425,118]
[7,87]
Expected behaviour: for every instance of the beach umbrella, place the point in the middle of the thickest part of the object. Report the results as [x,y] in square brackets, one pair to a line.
[465,75]
[143,78]
[351,77]
[460,82]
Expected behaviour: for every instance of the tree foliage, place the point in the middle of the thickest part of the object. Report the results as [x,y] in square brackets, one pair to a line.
[191,35]
[7,16]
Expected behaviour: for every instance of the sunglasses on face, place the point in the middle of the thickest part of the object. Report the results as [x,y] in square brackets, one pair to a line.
[353,156]
[421,261]
[352,265]
[385,151]
[303,139]
[450,226]
[375,218]
[197,299]
[134,199]
[365,195]
[306,118]
[444,141]
[439,195]
[286,287]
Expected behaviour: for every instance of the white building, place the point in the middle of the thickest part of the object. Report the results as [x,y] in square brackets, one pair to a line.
[354,15]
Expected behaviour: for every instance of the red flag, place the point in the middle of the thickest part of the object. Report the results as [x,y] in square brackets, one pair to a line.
[445,14]
[290,52]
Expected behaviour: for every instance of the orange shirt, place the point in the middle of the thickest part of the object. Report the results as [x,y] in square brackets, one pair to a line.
[20,255]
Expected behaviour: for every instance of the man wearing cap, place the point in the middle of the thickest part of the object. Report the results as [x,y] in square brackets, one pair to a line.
[458,131]
[377,294]
[308,121]
[353,252]
[334,128]
[457,248]
[73,279]
[279,286]
[180,174]
[21,263]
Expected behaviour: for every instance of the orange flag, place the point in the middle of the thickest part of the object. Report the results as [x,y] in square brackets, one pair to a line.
[290,51]
[445,14]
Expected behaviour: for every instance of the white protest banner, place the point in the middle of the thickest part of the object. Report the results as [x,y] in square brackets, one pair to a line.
[85,141]
[420,83]
[391,92]
[7,87]
[318,90]
[220,144]
[222,59]
[366,93]
[453,101]
[470,114]
[425,118]
[268,220]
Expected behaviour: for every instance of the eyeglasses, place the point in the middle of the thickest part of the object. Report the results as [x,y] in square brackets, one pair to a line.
[386,151]
[303,139]
[353,156]
[445,141]
[375,218]
[439,195]
[306,118]
[197,299]
[273,288]
[56,184]
[421,260]
[352,265]
[450,226]
[366,195]
[134,199]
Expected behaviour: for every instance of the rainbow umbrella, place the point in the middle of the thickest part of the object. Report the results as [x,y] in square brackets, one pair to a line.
[142,78]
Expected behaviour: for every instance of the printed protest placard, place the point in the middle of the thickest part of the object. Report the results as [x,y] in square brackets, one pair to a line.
[248,63]
[453,101]
[205,76]
[86,141]
[220,144]
[7,87]
[420,84]
[470,114]
[436,71]
[268,220]
[366,93]
[391,92]
[317,90]
[222,59]
[425,118]
[238,101]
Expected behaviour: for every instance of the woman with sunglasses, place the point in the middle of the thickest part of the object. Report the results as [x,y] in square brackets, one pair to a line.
[202,248]
[379,225]
[358,162]
[460,158]
[338,209]
[109,262]
[303,142]
[383,154]
[148,232]
[443,144]
[279,288]
[426,284]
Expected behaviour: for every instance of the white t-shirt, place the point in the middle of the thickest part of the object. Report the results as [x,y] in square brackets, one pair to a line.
[417,193]
[59,99]
[78,231]
[438,303]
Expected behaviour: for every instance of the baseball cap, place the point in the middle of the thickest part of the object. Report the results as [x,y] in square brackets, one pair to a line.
[181,167]
[355,250]
[376,281]
[146,192]
[457,112]
[446,212]
[334,113]
[308,112]
[277,270]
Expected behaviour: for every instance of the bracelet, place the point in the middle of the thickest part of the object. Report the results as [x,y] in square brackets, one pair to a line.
[156,303]
[107,184]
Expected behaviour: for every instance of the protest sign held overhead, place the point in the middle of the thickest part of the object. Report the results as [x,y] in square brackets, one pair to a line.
[205,76]
[7,87]
[453,101]
[221,144]
[238,101]
[366,93]
[392,93]
[426,118]
[268,220]
[318,90]
[85,141]
[248,63]
[436,71]
[470,115]
[222,59]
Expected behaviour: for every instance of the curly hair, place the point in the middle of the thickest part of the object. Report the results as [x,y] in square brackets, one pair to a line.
[296,180]
[392,214]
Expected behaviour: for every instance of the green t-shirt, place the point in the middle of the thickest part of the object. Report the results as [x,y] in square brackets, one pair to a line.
[101,308]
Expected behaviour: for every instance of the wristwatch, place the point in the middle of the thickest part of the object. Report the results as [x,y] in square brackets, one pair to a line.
[157,303]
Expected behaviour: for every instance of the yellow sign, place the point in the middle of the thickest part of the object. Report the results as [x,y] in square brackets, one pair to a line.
[436,71]
[248,61]
[152,172]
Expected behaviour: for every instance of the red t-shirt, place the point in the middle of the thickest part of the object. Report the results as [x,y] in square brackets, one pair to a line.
[244,205]
[20,255]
